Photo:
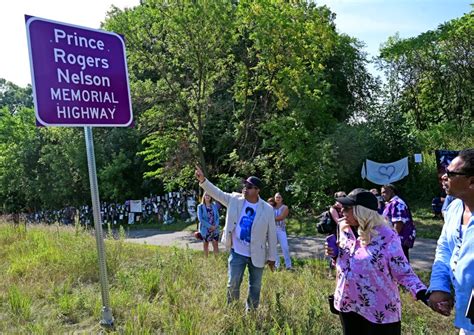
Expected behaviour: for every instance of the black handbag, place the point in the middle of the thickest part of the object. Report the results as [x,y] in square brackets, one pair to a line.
[326,224]
[331,304]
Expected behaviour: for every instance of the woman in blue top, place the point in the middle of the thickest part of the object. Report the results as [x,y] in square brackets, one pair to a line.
[208,216]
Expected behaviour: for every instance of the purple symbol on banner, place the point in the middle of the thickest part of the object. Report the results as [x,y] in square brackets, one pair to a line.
[387,171]
[79,75]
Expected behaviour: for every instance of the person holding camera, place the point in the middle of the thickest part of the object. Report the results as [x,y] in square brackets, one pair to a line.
[369,269]
[336,209]
[335,212]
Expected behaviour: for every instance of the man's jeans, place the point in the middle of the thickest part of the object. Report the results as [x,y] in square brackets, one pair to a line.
[237,264]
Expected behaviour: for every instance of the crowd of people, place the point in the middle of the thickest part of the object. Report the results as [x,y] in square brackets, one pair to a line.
[370,249]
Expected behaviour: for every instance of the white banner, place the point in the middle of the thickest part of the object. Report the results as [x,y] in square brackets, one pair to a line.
[384,173]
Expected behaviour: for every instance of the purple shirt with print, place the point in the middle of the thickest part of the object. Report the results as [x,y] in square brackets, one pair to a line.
[368,276]
[397,210]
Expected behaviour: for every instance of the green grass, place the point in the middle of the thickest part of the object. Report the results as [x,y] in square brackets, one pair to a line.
[302,226]
[49,284]
[426,225]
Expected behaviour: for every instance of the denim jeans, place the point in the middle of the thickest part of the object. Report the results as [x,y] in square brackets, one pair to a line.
[237,264]
[283,240]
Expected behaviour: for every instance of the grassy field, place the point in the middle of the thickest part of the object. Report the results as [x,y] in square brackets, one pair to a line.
[426,225]
[49,284]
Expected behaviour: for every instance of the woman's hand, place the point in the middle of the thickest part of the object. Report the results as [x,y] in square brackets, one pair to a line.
[343,225]
[330,250]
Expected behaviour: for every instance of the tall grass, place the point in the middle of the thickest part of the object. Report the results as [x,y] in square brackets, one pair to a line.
[49,284]
[19,303]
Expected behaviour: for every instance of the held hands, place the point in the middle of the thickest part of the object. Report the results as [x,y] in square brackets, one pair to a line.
[441,302]
[421,296]
[271,265]
[199,174]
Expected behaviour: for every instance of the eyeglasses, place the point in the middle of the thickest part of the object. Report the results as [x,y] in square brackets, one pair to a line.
[451,174]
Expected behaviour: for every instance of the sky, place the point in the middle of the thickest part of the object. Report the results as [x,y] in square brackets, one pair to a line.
[14,59]
[371,21]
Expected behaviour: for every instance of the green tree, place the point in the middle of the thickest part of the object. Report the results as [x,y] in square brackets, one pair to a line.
[297,78]
[241,87]
[46,167]
[19,143]
[14,97]
[430,76]
[178,53]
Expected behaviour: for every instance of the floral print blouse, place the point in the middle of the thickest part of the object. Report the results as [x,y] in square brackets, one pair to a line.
[368,276]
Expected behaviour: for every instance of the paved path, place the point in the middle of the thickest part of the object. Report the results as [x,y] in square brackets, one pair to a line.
[421,256]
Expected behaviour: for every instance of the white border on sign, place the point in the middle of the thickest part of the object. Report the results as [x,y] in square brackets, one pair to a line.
[30,20]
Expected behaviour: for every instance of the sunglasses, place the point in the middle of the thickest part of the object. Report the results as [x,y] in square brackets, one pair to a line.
[249,186]
[451,174]
[346,208]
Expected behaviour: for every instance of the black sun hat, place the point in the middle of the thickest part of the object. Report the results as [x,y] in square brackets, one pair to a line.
[360,197]
[255,181]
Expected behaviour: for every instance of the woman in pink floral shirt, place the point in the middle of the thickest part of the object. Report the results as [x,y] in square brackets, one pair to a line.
[370,265]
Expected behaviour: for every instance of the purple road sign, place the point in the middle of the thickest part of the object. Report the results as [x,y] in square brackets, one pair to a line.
[79,75]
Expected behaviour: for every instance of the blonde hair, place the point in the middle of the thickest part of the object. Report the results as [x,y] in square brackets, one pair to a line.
[368,220]
[202,199]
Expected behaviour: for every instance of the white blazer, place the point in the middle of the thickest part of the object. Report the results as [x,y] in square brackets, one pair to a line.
[263,243]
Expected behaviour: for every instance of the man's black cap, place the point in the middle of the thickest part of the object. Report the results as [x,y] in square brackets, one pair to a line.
[360,197]
[255,181]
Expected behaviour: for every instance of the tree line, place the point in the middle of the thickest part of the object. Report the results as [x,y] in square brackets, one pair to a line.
[264,87]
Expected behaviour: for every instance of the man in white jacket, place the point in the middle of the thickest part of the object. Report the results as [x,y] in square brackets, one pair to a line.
[249,234]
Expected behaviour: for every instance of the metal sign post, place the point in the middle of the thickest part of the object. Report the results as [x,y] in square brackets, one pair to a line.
[107,319]
[80,79]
